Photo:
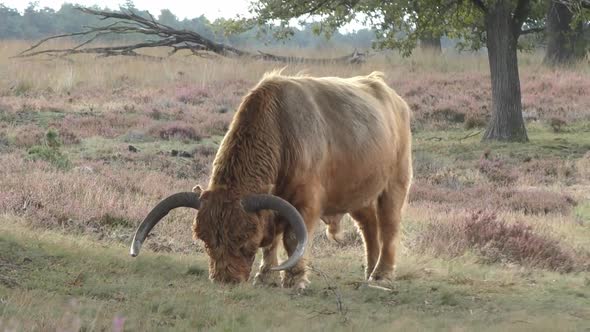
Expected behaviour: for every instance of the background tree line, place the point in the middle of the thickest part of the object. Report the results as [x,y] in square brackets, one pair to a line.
[36,22]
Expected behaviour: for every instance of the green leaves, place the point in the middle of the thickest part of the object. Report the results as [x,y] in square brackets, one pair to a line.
[398,24]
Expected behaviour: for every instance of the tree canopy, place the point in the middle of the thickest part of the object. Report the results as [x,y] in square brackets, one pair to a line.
[495,24]
[400,24]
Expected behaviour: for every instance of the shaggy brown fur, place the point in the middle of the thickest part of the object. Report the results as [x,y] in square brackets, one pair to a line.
[328,146]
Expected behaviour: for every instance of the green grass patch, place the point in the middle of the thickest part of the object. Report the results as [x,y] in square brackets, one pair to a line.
[28,115]
[544,143]
[51,281]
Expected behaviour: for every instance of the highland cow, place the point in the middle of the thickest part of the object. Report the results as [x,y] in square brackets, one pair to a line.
[299,149]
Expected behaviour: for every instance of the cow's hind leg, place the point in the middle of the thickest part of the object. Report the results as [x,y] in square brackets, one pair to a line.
[389,210]
[265,275]
[366,220]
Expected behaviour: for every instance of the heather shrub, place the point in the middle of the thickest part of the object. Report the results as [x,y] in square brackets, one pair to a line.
[107,125]
[495,170]
[495,241]
[516,243]
[175,130]
[99,199]
[549,170]
[191,95]
[205,150]
[528,201]
[537,201]
[27,136]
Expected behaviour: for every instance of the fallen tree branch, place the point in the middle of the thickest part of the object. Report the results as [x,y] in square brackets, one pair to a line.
[164,36]
[470,135]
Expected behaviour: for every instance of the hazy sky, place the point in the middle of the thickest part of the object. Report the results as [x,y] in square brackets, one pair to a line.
[212,9]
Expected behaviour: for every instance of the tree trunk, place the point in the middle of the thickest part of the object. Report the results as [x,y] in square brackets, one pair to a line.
[562,40]
[431,44]
[506,123]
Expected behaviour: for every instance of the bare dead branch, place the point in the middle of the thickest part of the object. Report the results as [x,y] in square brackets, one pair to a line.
[341,309]
[354,58]
[165,36]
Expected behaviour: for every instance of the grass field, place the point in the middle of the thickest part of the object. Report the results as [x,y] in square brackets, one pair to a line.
[495,235]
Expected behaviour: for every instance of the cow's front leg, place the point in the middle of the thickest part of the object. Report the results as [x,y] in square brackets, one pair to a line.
[296,277]
[265,275]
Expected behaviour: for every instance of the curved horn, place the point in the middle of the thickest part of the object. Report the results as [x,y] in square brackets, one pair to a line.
[255,203]
[183,199]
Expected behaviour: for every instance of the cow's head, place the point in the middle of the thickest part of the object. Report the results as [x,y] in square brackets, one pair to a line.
[232,228]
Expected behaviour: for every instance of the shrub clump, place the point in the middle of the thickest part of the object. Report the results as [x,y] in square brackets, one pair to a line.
[496,242]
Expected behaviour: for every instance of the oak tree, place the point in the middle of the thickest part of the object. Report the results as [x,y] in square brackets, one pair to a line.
[495,24]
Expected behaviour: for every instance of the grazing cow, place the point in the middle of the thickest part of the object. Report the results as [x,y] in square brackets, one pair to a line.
[300,148]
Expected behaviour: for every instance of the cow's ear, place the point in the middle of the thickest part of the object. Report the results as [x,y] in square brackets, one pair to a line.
[197,189]
[270,188]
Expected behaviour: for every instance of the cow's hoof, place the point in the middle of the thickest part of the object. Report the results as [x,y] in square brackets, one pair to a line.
[297,281]
[265,279]
[382,276]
